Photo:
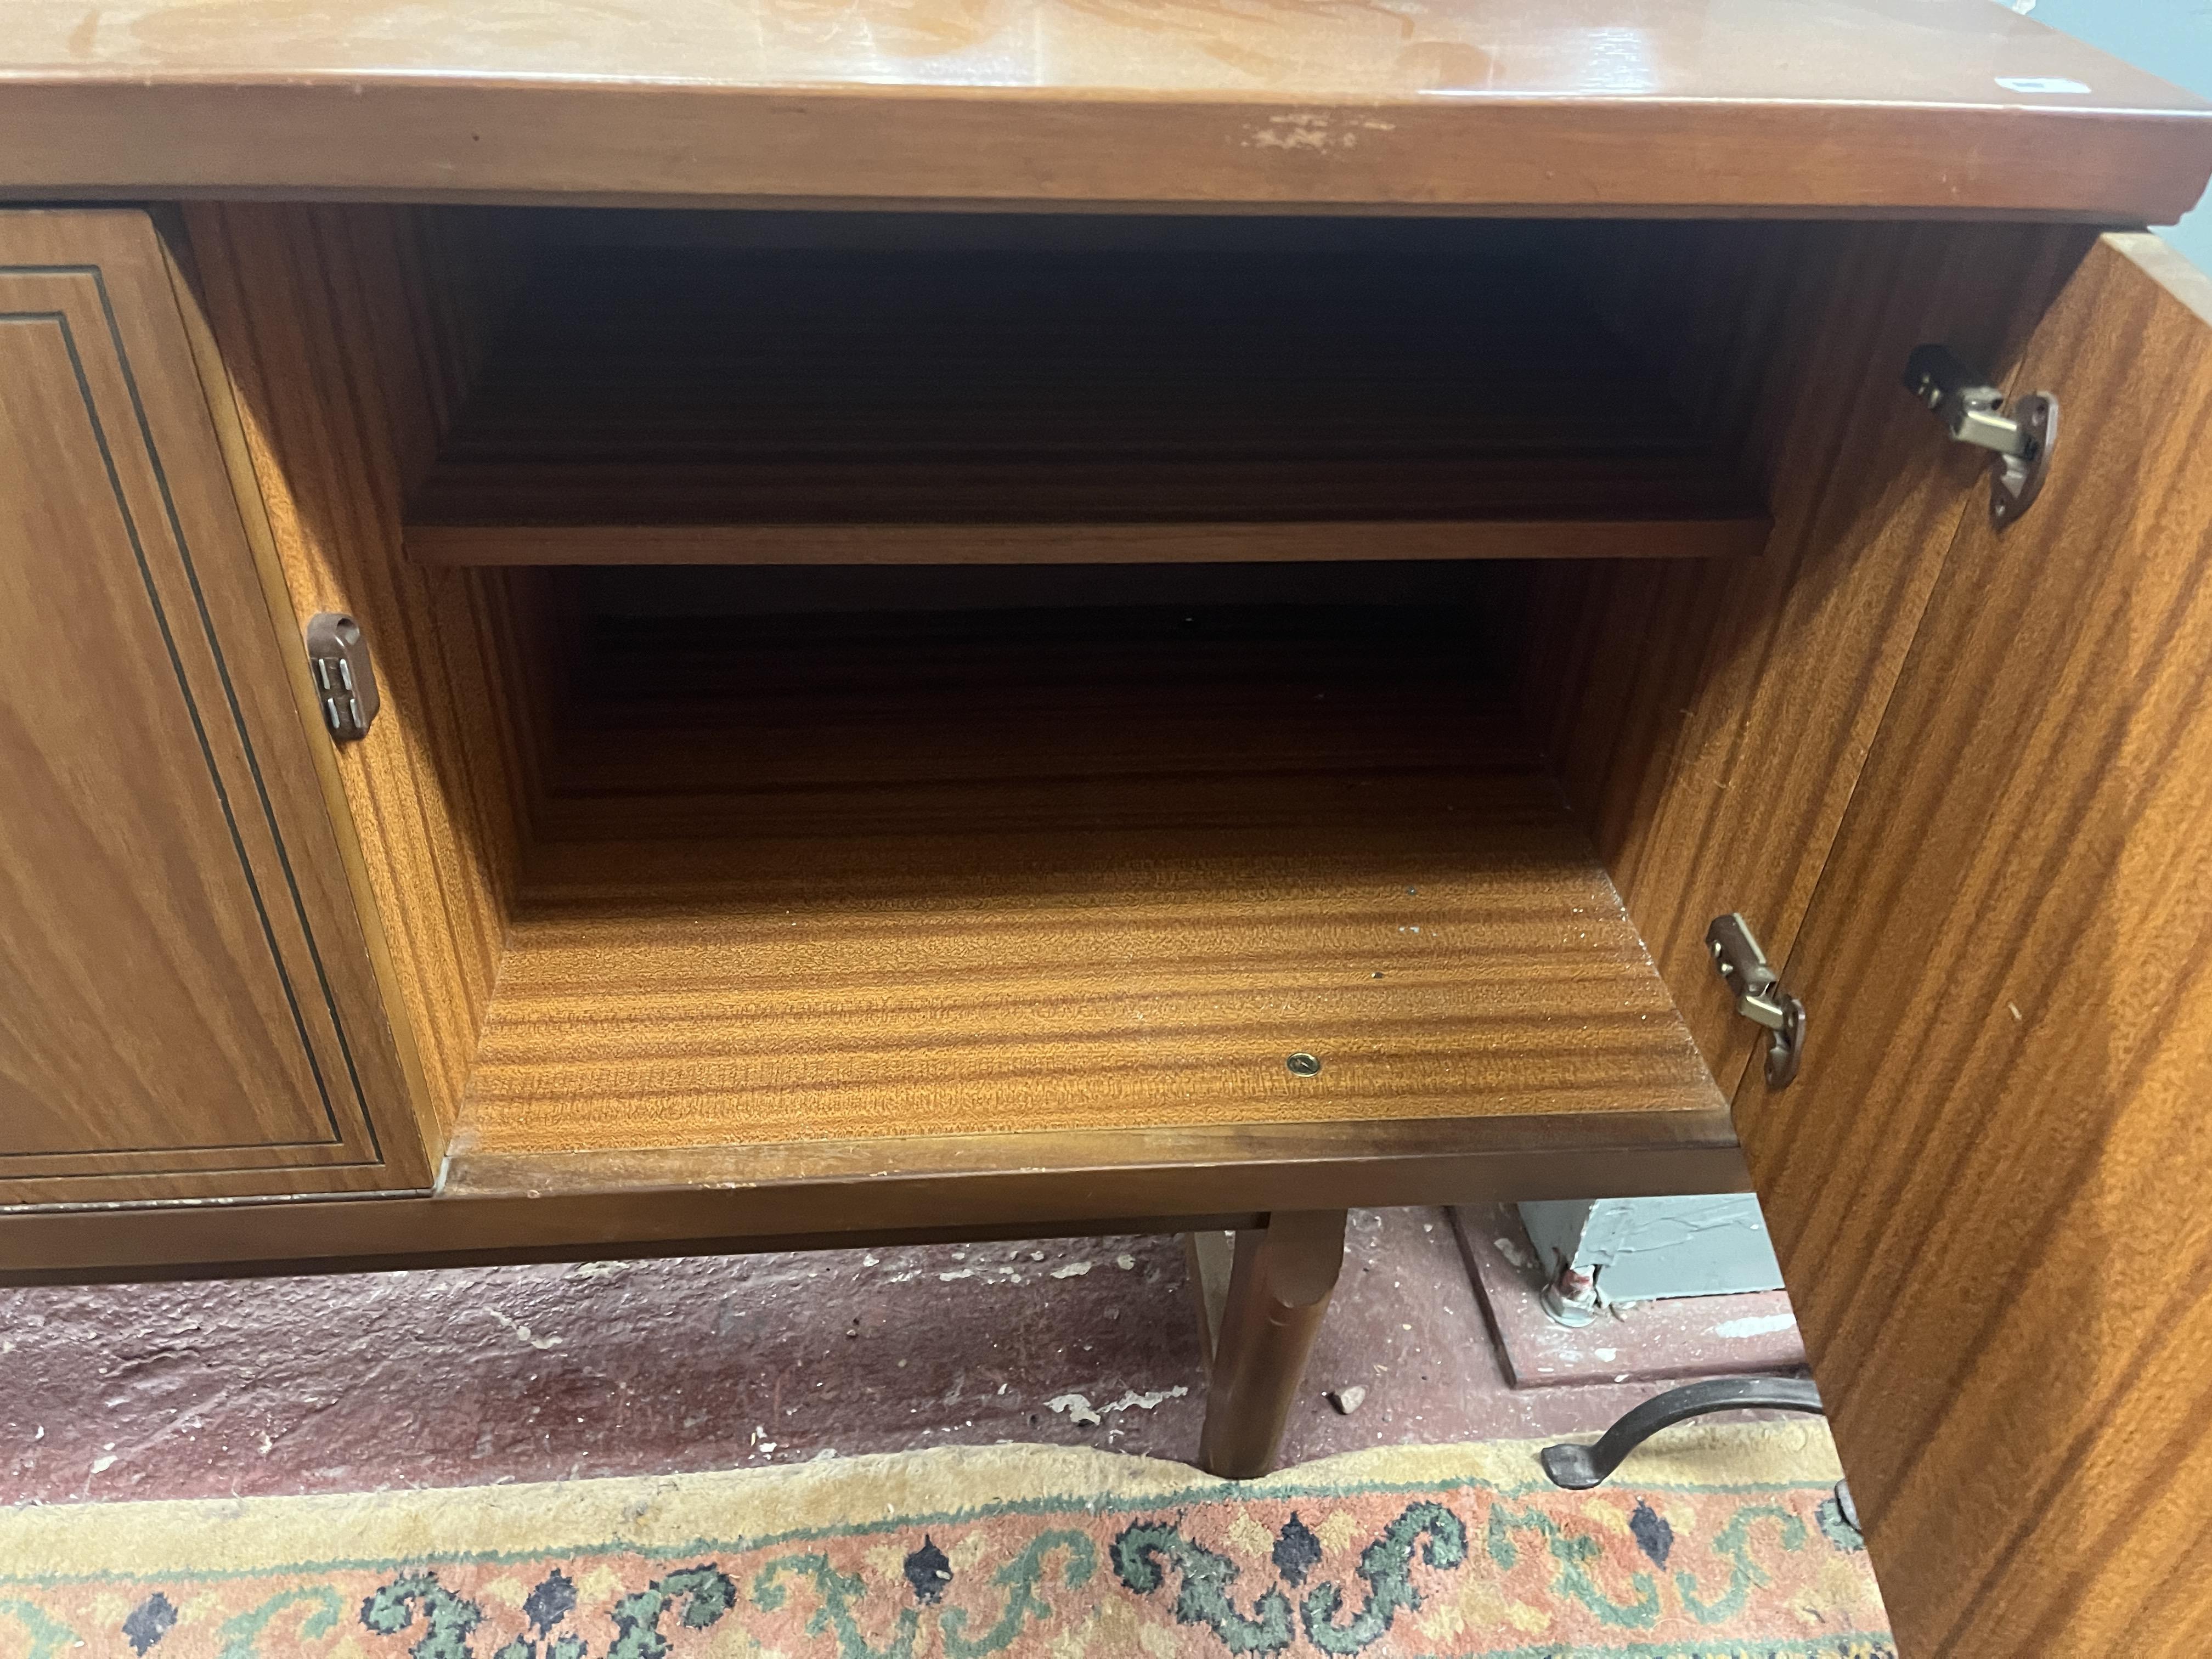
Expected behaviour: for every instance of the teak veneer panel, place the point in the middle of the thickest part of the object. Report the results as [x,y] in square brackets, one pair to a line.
[189,1008]
[875,986]
[347,338]
[1837,106]
[1987,1187]
[775,405]
[1709,724]
[1074,875]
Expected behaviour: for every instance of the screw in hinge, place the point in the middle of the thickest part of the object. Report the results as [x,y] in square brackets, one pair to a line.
[1759,996]
[1972,411]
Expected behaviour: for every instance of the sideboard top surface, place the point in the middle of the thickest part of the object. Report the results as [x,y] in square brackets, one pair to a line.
[1865,107]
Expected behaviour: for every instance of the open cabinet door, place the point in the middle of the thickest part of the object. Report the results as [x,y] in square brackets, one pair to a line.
[1992,1187]
[187,1004]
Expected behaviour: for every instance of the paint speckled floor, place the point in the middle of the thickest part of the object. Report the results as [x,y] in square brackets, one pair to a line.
[474,1376]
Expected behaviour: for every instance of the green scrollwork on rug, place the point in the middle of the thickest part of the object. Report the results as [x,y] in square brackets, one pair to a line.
[1386,1565]
[559,1647]
[1142,1551]
[705,1593]
[1733,1543]
[1325,1567]
[702,1595]
[1575,1553]
[448,1620]
[48,1636]
[1019,1578]
[241,1636]
[837,1591]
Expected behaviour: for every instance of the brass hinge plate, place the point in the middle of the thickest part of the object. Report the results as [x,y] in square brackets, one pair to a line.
[1759,996]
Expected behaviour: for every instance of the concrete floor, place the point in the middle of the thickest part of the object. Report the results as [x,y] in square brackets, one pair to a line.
[477,1375]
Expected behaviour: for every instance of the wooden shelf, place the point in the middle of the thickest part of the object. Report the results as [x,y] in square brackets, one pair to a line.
[652,405]
[820,880]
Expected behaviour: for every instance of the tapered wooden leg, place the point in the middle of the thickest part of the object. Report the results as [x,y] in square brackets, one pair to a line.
[1278,1292]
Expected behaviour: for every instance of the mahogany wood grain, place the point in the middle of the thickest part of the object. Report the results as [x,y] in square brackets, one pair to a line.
[189,1009]
[828,878]
[1836,106]
[348,337]
[1709,725]
[1278,1292]
[1987,1188]
[932,405]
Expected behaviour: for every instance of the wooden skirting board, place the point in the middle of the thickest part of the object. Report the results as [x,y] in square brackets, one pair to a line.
[700,1200]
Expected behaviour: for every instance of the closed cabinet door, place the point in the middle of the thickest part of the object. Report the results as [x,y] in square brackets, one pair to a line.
[187,1002]
[1990,1186]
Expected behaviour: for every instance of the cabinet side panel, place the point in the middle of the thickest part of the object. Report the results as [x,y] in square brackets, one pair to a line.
[1710,724]
[1988,1187]
[347,349]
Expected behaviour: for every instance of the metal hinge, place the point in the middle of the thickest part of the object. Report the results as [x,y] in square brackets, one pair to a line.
[1743,967]
[345,680]
[1972,411]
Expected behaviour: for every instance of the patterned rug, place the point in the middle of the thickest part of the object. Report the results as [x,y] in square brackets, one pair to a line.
[1713,1542]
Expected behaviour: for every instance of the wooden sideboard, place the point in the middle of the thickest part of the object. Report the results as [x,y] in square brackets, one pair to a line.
[1037,618]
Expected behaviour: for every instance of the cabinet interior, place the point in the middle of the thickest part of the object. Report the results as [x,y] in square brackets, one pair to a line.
[927,673]
[839,852]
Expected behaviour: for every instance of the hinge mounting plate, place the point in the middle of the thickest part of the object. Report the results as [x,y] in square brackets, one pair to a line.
[1972,411]
[1759,996]
[345,679]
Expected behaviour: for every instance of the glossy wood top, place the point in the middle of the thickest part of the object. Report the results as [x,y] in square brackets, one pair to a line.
[1945,106]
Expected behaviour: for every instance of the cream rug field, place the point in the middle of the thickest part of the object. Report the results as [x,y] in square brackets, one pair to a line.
[1713,1542]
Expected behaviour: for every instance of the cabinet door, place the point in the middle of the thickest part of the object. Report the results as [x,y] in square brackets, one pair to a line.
[1991,1187]
[187,1006]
